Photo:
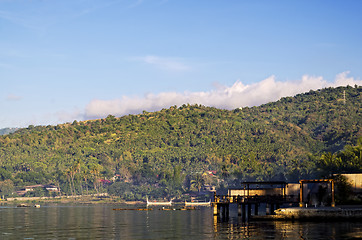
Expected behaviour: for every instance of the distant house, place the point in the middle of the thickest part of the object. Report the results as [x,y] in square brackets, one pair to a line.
[209,188]
[105,181]
[116,177]
[211,173]
[31,188]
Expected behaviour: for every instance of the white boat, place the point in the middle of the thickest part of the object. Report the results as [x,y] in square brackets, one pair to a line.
[198,203]
[159,203]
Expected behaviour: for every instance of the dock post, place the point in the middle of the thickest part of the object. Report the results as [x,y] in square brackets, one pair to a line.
[271,208]
[277,206]
[227,207]
[249,210]
[267,209]
[216,209]
[333,204]
[225,211]
[243,211]
[239,209]
[301,193]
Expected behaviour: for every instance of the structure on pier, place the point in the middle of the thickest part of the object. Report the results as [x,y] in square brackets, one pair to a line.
[253,194]
[329,182]
[271,194]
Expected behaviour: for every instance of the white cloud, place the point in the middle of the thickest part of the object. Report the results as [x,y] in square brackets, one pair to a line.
[238,95]
[171,64]
[12,97]
[66,116]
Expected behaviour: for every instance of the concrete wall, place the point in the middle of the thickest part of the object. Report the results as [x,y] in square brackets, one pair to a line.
[291,189]
[356,180]
[56,197]
[253,192]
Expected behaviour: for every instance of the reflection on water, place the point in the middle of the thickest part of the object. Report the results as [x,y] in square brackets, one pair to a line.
[235,228]
[101,222]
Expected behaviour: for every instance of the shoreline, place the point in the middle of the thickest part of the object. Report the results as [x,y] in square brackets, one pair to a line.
[79,199]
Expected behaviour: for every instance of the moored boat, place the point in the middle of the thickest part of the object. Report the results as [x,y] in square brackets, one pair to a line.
[22,205]
[159,203]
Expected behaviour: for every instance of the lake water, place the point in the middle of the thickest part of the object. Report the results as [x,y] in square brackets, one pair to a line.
[102,222]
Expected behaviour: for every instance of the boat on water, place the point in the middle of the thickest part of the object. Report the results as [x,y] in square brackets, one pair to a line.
[22,205]
[159,203]
[206,204]
[134,209]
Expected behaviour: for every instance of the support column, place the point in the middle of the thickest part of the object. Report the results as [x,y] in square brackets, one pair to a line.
[277,206]
[333,204]
[256,209]
[227,208]
[216,209]
[243,211]
[271,208]
[249,210]
[300,193]
[223,211]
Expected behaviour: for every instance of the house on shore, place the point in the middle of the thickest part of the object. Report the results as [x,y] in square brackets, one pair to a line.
[31,188]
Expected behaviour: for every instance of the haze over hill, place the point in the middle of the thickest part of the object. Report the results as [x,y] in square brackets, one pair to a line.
[4,131]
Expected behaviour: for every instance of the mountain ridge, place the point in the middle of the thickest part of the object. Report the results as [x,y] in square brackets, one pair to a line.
[278,140]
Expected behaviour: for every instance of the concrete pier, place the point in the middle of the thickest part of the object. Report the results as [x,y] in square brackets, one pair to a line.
[326,213]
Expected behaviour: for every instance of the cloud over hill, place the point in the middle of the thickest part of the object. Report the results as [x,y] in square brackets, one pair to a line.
[235,96]
[221,96]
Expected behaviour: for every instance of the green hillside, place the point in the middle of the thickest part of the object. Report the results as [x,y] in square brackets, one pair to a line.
[168,152]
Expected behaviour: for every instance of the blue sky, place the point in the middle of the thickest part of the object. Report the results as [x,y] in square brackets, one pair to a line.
[62,60]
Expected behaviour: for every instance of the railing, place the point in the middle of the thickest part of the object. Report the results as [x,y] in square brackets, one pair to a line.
[255,199]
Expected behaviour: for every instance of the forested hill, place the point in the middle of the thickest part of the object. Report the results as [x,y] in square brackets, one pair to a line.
[278,140]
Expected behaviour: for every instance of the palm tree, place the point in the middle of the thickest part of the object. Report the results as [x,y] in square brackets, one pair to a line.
[198,182]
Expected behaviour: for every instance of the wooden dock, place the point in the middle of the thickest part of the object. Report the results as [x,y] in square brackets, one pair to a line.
[245,204]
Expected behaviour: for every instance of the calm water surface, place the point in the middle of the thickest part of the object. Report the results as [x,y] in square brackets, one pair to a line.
[101,222]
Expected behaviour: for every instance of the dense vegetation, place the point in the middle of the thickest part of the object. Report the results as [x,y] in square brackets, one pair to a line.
[170,152]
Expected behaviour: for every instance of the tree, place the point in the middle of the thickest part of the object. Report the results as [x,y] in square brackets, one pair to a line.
[95,173]
[198,182]
[348,160]
[6,188]
[4,174]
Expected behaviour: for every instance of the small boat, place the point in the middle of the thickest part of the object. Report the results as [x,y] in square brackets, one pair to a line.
[206,204]
[22,205]
[159,203]
[37,206]
[187,208]
[134,209]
